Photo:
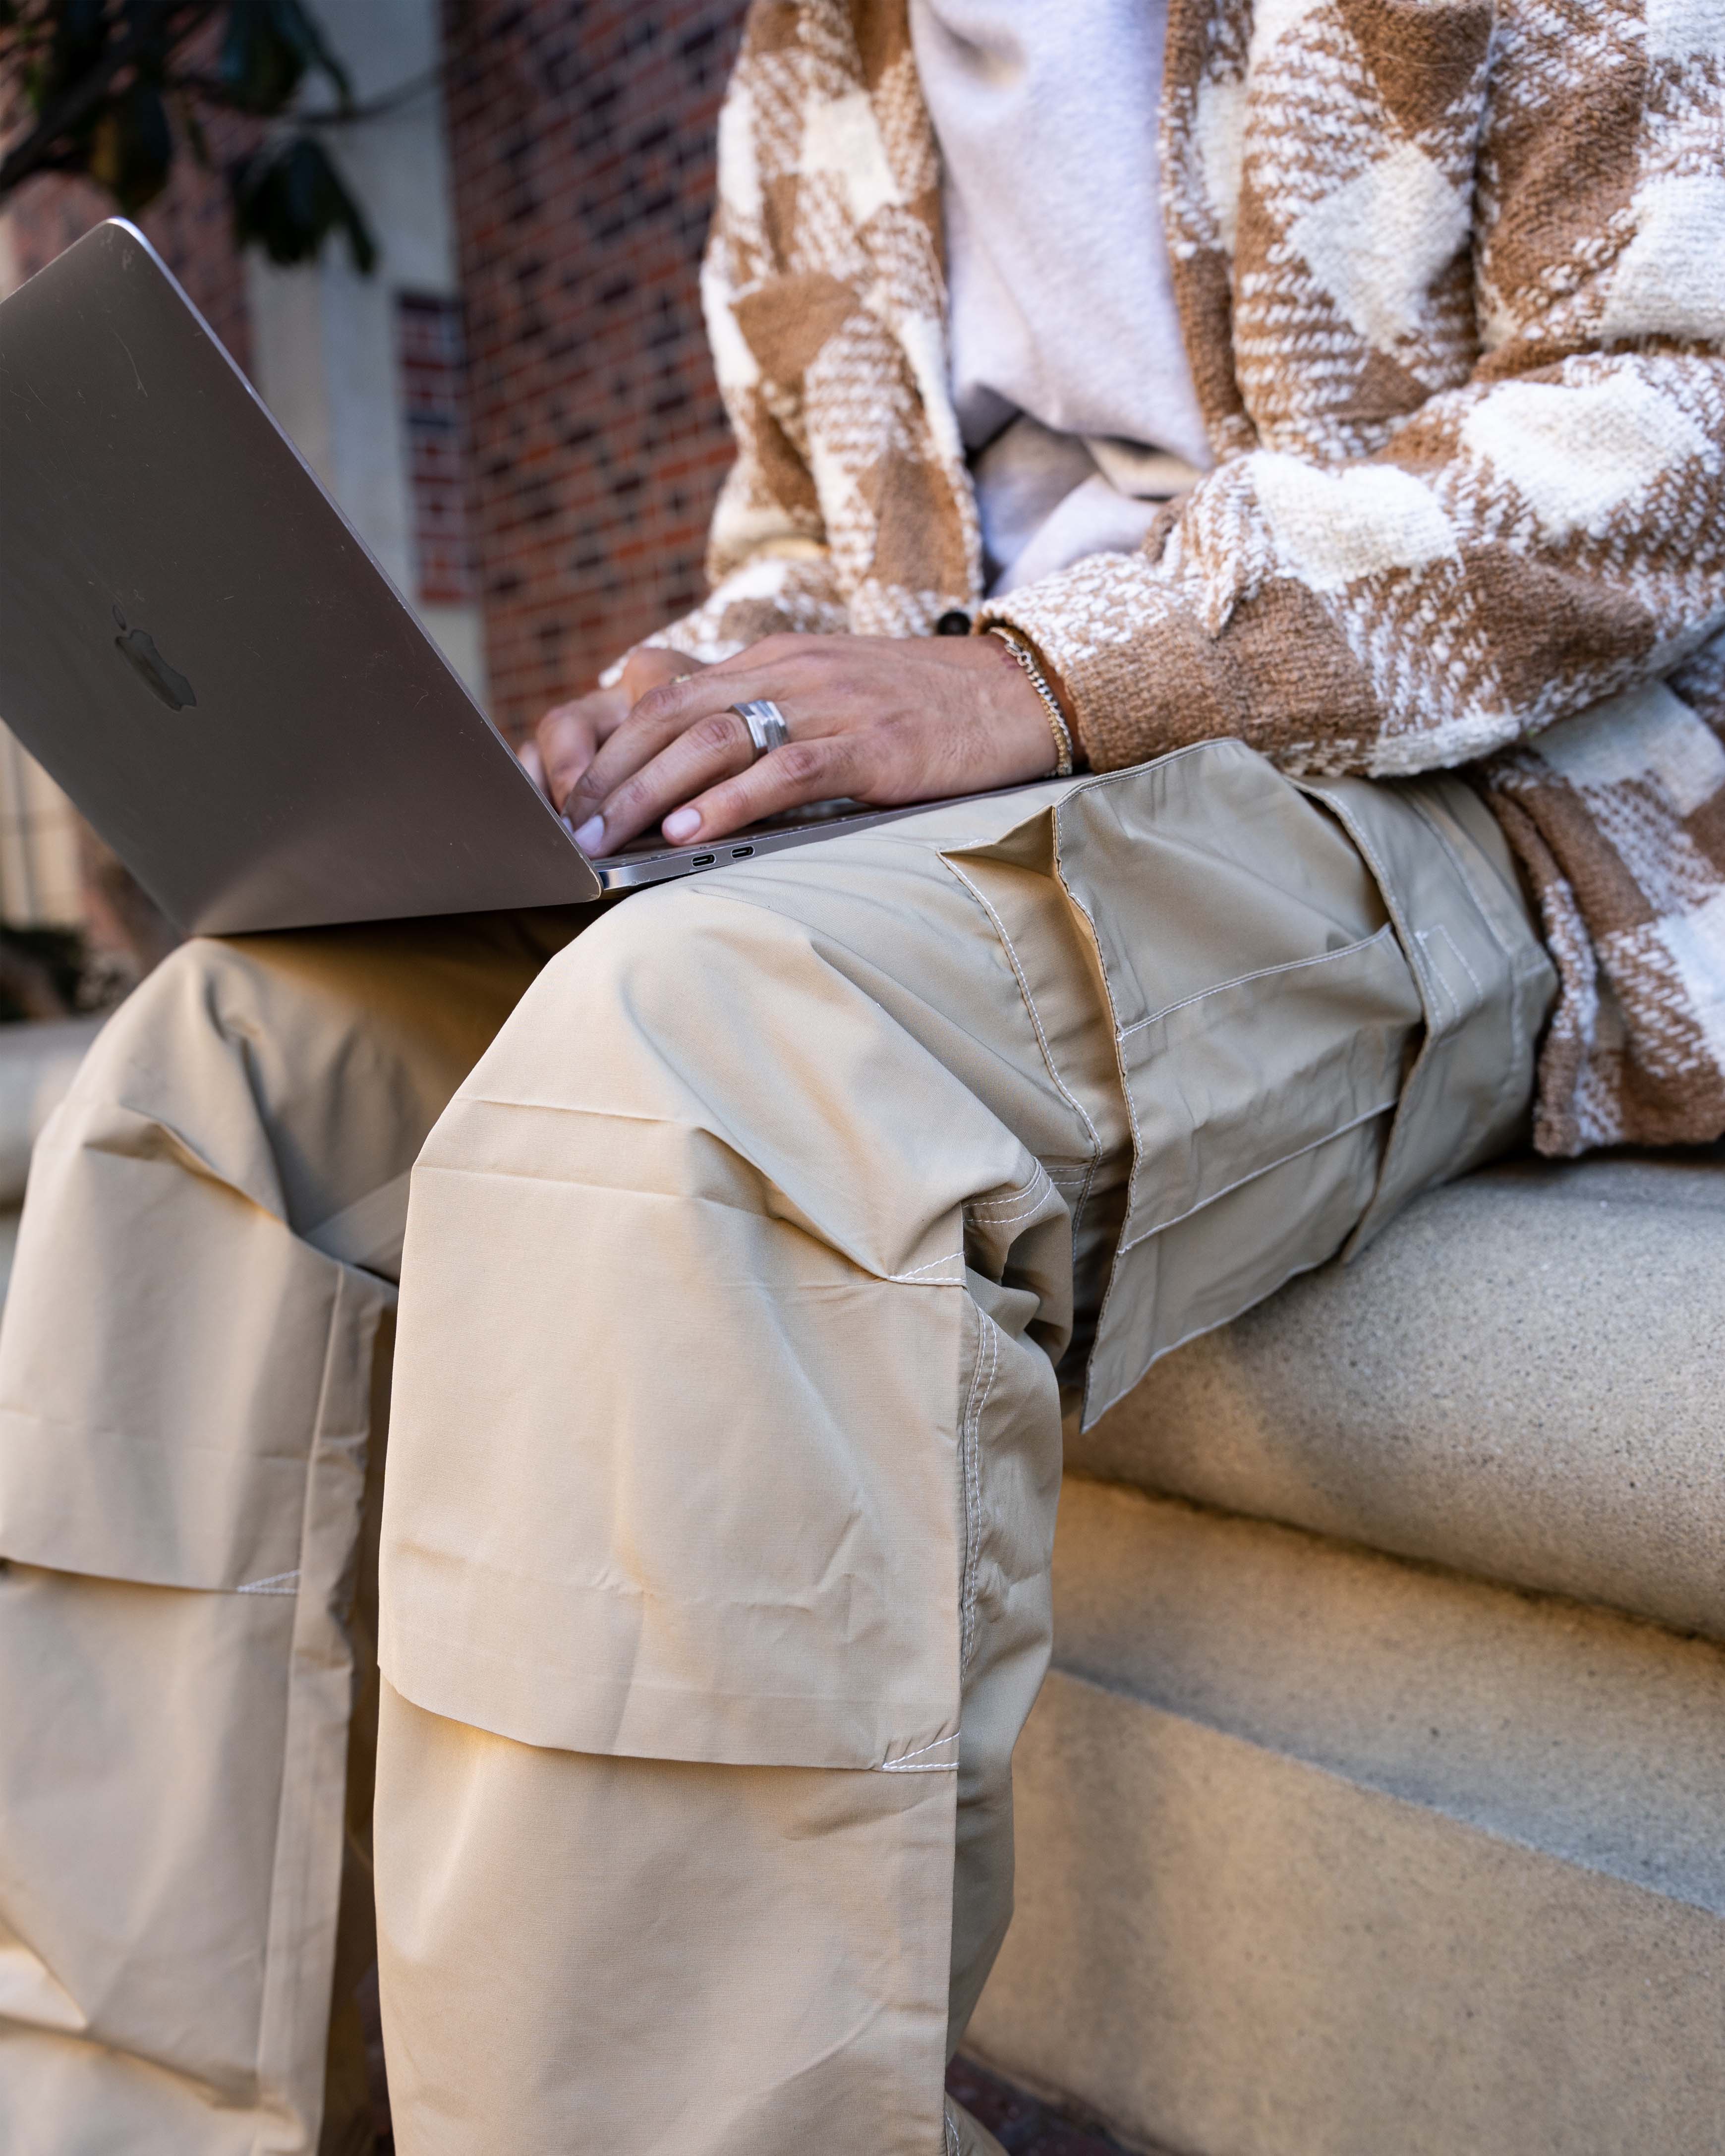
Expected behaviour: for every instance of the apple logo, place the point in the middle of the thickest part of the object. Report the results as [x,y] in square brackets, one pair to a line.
[137,648]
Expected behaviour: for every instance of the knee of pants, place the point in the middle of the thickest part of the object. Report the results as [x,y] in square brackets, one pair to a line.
[674,1468]
[196,992]
[168,1078]
[304,1070]
[211,1005]
[649,1032]
[678,965]
[818,1052]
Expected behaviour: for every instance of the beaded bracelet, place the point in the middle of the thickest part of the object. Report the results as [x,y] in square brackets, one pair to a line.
[1020,650]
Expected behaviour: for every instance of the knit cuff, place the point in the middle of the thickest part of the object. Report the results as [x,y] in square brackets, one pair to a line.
[1135,669]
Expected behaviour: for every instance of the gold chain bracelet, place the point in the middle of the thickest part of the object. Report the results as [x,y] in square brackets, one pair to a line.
[1037,679]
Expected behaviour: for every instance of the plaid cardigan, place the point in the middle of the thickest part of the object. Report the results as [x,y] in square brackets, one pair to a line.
[1452,280]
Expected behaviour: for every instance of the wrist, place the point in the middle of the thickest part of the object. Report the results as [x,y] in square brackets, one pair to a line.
[1028,661]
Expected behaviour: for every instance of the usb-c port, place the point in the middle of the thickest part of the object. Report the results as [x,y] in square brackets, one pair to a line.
[703,860]
[741,853]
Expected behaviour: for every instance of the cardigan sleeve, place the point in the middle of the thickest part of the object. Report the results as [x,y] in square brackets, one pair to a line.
[1547,533]
[768,565]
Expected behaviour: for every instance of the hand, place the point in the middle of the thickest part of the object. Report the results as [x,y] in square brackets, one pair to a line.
[881,720]
[568,737]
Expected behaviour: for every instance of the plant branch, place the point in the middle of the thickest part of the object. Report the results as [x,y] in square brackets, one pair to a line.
[215,91]
[376,108]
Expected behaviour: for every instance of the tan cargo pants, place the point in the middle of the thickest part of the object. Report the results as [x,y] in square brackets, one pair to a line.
[742,1270]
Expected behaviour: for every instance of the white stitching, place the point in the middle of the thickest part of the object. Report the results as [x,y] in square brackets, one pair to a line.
[976,1456]
[1001,1216]
[973,1509]
[1419,964]
[1074,900]
[278,1583]
[1460,957]
[1518,1030]
[1034,1181]
[1298,1153]
[1009,1204]
[934,1265]
[1065,1092]
[973,1498]
[1421,936]
[1264,973]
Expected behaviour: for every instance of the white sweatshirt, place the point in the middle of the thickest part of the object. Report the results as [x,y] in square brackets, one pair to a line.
[1069,374]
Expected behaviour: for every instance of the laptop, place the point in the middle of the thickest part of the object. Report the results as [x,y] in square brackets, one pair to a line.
[198,647]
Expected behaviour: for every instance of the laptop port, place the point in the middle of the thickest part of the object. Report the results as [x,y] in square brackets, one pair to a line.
[703,860]
[741,853]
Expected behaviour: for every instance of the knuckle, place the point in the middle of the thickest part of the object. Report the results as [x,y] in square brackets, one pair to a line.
[800,762]
[720,732]
[657,705]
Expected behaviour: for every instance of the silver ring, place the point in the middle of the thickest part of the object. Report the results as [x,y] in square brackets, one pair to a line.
[766,723]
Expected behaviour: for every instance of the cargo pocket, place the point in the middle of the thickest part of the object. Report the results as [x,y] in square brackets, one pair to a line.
[185,1399]
[674,1460]
[1265,1016]
[1484,978]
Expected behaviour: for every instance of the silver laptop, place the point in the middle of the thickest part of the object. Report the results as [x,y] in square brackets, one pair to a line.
[196,645]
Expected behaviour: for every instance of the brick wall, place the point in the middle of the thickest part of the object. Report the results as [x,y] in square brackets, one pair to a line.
[580,136]
[432,353]
[582,140]
[189,225]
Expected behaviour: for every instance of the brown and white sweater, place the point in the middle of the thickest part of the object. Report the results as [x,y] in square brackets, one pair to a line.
[1451,274]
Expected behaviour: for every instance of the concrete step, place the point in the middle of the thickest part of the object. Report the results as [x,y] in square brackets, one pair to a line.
[1325,1854]
[1521,1378]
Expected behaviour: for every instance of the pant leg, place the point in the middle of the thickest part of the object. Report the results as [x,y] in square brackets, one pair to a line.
[188,1369]
[718,1524]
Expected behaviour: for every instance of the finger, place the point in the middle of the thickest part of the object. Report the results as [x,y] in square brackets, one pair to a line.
[530,760]
[566,741]
[829,767]
[805,677]
[567,736]
[711,749]
[651,666]
[655,722]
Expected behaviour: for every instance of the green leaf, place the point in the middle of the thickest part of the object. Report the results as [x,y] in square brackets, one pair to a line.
[289,199]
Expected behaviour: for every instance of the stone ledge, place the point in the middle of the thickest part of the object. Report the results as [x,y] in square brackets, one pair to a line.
[1595,1737]
[1520,1378]
[1232,1954]
[1324,1854]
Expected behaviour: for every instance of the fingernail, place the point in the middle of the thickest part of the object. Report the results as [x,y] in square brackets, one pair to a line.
[682,824]
[592,835]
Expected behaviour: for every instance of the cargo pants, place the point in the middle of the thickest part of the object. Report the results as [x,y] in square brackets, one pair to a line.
[748,1242]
